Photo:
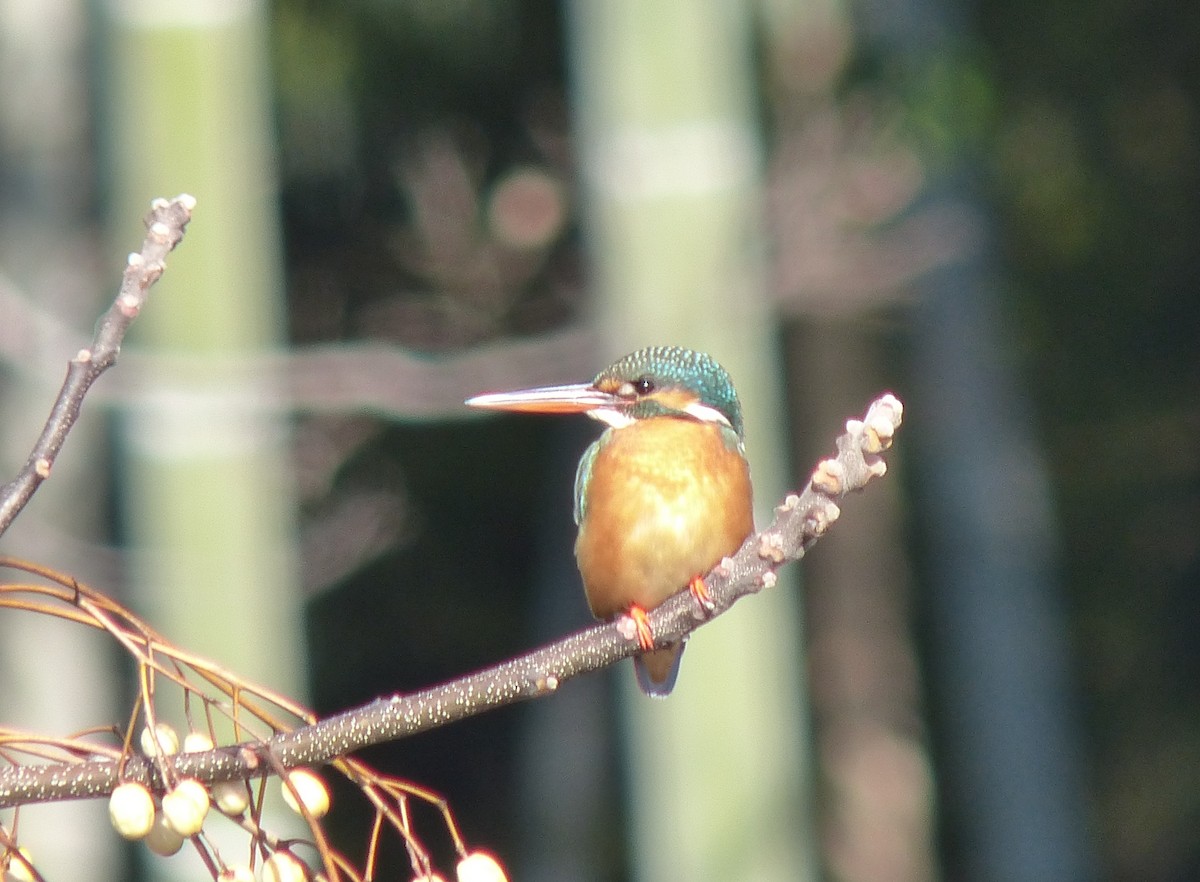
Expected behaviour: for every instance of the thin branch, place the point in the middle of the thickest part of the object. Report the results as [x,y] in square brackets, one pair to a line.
[164,230]
[799,522]
[375,377]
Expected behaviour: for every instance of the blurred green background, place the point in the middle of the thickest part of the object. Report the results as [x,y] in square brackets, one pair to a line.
[992,210]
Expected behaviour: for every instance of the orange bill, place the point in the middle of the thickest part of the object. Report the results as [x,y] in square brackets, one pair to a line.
[576,398]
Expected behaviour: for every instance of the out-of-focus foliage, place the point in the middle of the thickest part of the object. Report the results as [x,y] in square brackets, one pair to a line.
[1094,165]
[1082,123]
[423,166]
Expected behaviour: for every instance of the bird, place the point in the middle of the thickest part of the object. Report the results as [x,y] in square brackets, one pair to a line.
[662,496]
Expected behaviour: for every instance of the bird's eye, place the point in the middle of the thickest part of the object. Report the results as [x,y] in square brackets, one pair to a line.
[631,389]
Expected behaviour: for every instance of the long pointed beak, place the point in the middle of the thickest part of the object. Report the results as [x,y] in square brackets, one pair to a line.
[577,398]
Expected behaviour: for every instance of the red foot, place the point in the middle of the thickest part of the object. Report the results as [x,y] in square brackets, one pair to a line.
[645,634]
[699,592]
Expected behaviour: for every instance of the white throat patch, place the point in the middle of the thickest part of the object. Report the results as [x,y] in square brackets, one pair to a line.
[615,418]
[619,419]
[706,414]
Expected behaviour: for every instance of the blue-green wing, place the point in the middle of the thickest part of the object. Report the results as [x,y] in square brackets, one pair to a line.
[733,441]
[582,474]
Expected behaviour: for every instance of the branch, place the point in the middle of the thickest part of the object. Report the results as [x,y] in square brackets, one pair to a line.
[799,522]
[165,225]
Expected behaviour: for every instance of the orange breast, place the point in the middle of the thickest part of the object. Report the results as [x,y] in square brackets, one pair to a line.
[666,500]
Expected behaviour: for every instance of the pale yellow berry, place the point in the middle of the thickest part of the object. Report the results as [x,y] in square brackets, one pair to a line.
[131,810]
[197,742]
[168,740]
[231,797]
[18,871]
[162,839]
[311,791]
[479,866]
[283,866]
[185,807]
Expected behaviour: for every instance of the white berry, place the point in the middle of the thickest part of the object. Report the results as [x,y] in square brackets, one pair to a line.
[185,807]
[197,742]
[479,866]
[131,810]
[231,797]
[283,866]
[161,839]
[311,791]
[168,740]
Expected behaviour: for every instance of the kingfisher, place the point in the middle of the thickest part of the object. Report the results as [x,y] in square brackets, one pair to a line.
[662,495]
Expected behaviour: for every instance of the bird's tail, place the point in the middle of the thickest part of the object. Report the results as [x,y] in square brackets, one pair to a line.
[656,671]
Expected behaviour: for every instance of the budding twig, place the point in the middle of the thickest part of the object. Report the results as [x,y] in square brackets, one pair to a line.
[165,226]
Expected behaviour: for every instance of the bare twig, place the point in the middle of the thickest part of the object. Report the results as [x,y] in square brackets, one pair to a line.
[164,229]
[799,522]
